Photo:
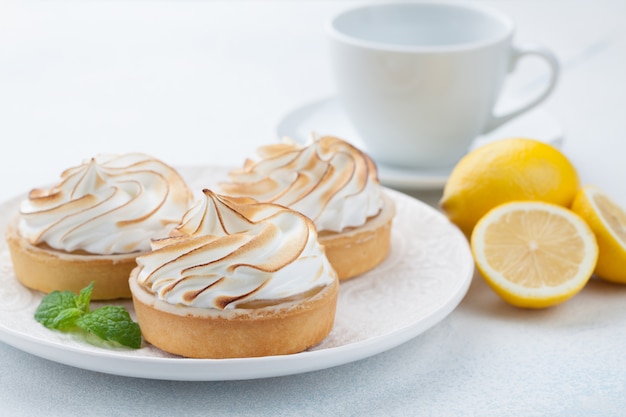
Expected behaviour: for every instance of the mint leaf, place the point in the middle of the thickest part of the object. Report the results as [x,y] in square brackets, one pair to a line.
[51,312]
[112,323]
[66,319]
[66,311]
[82,301]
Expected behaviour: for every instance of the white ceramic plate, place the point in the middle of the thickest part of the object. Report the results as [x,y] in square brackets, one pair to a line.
[326,116]
[424,278]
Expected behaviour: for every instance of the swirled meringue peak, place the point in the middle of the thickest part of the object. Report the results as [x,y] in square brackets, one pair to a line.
[232,253]
[109,204]
[328,180]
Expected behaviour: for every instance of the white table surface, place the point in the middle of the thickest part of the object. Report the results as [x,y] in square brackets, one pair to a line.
[205,82]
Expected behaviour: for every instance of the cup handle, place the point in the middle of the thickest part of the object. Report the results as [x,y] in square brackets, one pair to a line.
[554,68]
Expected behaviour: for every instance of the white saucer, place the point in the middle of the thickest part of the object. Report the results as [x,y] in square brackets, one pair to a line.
[326,116]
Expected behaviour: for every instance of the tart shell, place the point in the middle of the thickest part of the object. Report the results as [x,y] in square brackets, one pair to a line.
[359,249]
[48,270]
[194,332]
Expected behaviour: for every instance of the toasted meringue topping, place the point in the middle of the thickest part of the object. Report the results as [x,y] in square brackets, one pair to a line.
[228,252]
[328,180]
[109,204]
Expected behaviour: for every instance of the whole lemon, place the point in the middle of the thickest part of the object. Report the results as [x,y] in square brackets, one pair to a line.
[515,169]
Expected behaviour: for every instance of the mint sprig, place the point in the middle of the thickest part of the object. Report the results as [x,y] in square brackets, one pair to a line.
[66,311]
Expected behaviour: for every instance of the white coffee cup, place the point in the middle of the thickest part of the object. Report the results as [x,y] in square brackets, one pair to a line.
[419,81]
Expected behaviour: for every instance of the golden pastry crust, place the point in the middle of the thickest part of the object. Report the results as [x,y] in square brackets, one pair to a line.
[279,329]
[47,270]
[359,249]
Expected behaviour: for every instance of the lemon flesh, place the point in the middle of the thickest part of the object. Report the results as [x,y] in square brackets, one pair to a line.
[534,254]
[608,222]
[516,169]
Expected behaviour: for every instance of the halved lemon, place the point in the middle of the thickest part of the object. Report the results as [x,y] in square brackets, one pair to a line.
[534,254]
[608,222]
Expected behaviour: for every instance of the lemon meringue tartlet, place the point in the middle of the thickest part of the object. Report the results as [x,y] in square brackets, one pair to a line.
[235,279]
[334,184]
[92,224]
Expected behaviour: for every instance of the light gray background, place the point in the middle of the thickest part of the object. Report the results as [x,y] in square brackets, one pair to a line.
[196,82]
